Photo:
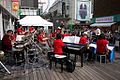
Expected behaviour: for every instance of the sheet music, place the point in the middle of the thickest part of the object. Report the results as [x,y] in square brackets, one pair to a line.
[71,39]
[77,39]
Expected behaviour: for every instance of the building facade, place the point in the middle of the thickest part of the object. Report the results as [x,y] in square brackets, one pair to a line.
[7,16]
[29,4]
[107,15]
[112,8]
[56,8]
[28,7]
[76,10]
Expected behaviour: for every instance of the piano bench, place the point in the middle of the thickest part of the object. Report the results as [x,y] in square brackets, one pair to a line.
[58,59]
[101,58]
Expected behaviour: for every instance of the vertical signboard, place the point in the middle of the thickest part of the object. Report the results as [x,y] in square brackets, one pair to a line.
[83,10]
[15,5]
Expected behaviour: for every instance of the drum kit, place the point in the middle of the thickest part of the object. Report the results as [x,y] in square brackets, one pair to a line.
[20,47]
[28,46]
[29,49]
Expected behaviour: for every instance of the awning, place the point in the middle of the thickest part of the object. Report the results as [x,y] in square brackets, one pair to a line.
[103,24]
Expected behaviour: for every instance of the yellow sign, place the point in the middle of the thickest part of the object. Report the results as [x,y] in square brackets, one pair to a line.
[15,6]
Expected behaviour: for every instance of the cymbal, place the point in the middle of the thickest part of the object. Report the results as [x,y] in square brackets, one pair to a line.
[1,54]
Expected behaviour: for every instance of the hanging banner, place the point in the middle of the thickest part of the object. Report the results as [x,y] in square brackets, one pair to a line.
[83,10]
[15,6]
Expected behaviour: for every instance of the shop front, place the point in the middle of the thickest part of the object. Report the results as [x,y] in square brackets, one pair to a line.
[6,20]
[108,22]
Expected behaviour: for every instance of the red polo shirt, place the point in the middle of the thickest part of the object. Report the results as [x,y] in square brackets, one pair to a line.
[13,37]
[65,35]
[40,38]
[58,44]
[53,34]
[6,43]
[101,45]
[31,29]
[83,40]
[20,31]
[58,31]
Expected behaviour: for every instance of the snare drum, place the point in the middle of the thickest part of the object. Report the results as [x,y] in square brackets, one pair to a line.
[19,45]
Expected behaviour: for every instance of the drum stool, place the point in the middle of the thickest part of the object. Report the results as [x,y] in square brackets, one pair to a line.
[101,57]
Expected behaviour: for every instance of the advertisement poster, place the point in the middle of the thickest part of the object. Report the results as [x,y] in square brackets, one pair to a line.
[83,10]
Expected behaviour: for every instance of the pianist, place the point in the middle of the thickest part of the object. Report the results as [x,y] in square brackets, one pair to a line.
[58,45]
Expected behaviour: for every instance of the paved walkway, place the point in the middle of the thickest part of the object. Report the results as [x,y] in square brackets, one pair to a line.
[90,71]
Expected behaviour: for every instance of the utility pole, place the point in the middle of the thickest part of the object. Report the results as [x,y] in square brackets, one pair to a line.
[63,9]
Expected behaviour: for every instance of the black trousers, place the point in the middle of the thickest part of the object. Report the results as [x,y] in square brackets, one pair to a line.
[88,53]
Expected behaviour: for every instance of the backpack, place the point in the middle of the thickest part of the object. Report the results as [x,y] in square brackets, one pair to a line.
[70,66]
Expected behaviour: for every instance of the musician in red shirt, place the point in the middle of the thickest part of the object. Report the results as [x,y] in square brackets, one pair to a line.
[58,31]
[102,45]
[102,48]
[31,29]
[83,39]
[87,50]
[53,34]
[41,37]
[14,36]
[58,44]
[65,34]
[7,41]
[20,31]
[42,40]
